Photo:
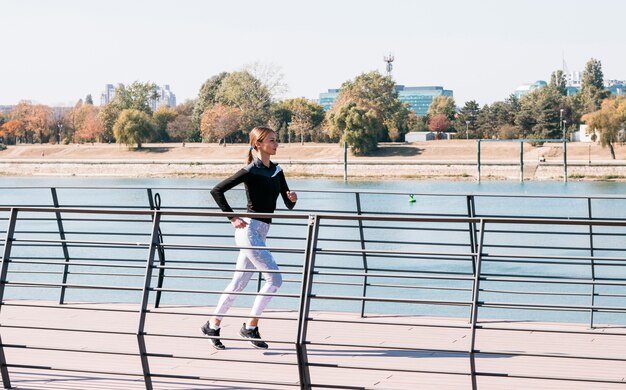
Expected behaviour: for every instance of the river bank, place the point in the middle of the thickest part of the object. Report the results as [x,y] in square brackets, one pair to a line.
[445,160]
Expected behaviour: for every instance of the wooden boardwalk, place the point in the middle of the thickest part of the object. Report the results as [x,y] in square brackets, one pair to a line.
[378,352]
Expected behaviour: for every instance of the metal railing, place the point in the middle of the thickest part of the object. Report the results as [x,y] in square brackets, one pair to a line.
[533,268]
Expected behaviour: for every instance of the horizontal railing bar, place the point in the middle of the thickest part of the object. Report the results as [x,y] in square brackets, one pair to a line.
[36,367]
[69,285]
[390,300]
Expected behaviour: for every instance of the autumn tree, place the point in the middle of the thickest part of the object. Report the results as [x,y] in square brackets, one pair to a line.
[181,128]
[206,98]
[439,123]
[88,126]
[608,121]
[37,121]
[133,127]
[12,130]
[219,122]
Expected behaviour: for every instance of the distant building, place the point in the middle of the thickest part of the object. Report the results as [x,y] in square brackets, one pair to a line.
[418,98]
[6,109]
[525,89]
[617,87]
[165,97]
[108,94]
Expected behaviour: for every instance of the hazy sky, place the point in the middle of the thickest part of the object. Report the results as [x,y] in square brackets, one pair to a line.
[56,52]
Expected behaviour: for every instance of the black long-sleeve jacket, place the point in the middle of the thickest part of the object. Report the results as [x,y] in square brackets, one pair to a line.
[263,185]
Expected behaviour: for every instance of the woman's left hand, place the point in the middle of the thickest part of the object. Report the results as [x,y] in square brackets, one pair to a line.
[292,196]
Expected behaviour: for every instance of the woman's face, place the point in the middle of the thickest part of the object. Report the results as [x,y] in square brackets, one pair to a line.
[269,144]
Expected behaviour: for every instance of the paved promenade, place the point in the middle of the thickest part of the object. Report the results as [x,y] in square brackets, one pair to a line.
[94,346]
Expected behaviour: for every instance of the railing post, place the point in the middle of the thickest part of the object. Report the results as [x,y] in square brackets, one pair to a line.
[364,255]
[521,162]
[4,267]
[478,160]
[305,302]
[66,255]
[564,159]
[154,243]
[593,266]
[475,295]
[156,205]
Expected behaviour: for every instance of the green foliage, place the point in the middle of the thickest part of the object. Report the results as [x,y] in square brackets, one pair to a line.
[161,118]
[300,118]
[206,98]
[89,100]
[136,96]
[592,90]
[243,91]
[443,105]
[133,127]
[3,147]
[468,113]
[508,132]
[358,126]
[371,100]
[558,82]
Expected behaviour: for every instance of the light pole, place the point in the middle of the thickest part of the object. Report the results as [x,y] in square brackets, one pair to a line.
[467,129]
[561,123]
[60,125]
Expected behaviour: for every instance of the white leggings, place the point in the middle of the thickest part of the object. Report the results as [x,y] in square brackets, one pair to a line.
[252,235]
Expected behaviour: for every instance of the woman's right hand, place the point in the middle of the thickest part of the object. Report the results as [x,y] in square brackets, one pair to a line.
[238,223]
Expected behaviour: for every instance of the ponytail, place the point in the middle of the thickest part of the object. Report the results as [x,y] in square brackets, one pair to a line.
[249,157]
[257,134]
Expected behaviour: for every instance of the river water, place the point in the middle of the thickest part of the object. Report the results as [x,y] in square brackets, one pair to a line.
[433,197]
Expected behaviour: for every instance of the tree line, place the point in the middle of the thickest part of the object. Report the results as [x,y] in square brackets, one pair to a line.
[366,112]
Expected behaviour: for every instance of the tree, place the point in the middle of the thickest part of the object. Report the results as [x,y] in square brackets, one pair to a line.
[592,90]
[608,121]
[358,127]
[133,127]
[136,96]
[220,121]
[303,118]
[162,116]
[558,82]
[439,123]
[370,99]
[469,113]
[442,105]
[88,128]
[181,128]
[12,130]
[269,75]
[36,119]
[89,100]
[206,97]
[243,91]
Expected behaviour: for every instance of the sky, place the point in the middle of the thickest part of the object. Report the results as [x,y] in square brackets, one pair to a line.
[55,52]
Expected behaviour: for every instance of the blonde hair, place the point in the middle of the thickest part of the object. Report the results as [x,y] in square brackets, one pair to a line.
[257,134]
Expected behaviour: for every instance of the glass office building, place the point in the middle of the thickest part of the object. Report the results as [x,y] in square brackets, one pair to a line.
[418,98]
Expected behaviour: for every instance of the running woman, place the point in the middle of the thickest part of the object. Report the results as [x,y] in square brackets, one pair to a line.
[263,181]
